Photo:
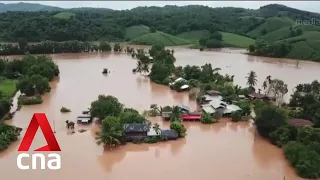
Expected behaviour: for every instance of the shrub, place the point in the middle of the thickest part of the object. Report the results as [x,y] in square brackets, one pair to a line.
[305,160]
[207,119]
[31,100]
[8,134]
[236,116]
[282,135]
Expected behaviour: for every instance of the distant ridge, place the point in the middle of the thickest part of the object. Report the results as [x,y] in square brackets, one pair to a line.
[27,7]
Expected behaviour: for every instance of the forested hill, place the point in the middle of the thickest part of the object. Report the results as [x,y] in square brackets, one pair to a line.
[173,25]
[27,7]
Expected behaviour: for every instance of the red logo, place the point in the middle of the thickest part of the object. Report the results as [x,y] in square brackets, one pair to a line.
[39,119]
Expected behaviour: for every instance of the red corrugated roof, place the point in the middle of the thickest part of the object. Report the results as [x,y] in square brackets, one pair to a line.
[189,117]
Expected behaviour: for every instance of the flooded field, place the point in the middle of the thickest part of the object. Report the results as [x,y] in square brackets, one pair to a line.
[225,150]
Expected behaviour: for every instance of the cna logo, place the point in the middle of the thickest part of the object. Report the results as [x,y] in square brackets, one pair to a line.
[54,162]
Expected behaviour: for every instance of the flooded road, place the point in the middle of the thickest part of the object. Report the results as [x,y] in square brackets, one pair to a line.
[225,150]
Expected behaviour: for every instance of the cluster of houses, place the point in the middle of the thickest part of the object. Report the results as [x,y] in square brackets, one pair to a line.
[212,102]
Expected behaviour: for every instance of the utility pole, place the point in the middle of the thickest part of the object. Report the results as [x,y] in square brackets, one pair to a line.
[54,126]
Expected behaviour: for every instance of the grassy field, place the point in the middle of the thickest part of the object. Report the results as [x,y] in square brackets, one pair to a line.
[8,87]
[314,44]
[270,25]
[236,40]
[134,32]
[194,36]
[308,36]
[64,15]
[276,35]
[161,39]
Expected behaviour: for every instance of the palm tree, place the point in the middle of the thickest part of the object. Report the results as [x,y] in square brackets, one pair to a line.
[265,86]
[252,79]
[139,67]
[109,139]
[269,79]
[111,133]
[156,128]
[175,115]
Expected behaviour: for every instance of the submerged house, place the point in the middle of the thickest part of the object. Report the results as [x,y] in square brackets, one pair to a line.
[183,87]
[219,106]
[255,95]
[184,109]
[134,130]
[170,134]
[84,119]
[213,93]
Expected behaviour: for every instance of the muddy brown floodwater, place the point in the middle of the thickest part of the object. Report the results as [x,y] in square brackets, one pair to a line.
[225,150]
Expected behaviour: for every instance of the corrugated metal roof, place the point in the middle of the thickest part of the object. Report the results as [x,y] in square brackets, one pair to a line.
[231,108]
[184,107]
[208,109]
[184,87]
[217,104]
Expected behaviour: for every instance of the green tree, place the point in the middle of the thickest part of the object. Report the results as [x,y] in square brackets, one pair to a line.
[269,119]
[104,46]
[179,128]
[127,117]
[207,118]
[252,79]
[117,47]
[176,113]
[33,85]
[105,106]
[251,48]
[213,43]
[111,134]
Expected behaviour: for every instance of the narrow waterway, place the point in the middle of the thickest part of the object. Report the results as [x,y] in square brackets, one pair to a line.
[224,150]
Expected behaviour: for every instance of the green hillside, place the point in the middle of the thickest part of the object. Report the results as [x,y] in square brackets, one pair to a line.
[134,32]
[308,36]
[64,15]
[236,40]
[276,35]
[161,39]
[194,35]
[301,50]
[271,24]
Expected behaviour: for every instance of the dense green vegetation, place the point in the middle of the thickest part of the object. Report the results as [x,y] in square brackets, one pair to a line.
[169,25]
[50,47]
[8,134]
[30,75]
[299,140]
